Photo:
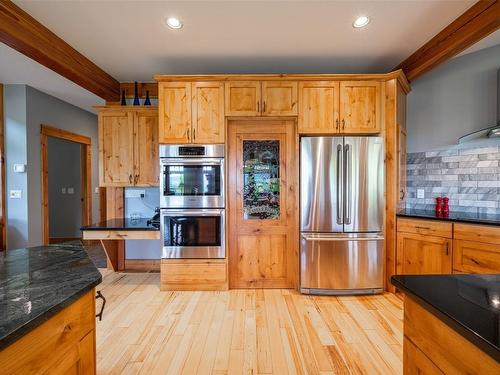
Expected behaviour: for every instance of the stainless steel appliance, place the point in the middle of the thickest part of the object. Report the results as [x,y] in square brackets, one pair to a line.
[192,233]
[342,206]
[192,176]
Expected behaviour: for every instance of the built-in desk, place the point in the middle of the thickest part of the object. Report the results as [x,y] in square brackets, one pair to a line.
[112,234]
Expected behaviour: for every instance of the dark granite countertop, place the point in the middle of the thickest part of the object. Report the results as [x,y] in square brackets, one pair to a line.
[469,304]
[123,224]
[38,282]
[464,217]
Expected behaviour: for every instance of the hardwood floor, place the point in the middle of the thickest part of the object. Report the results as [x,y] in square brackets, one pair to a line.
[145,331]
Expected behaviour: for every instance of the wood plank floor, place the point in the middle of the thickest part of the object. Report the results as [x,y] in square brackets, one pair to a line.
[146,331]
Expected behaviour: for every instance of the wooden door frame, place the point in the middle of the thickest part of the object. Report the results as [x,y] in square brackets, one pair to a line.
[3,218]
[85,142]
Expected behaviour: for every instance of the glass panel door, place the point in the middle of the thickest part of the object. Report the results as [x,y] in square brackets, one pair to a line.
[261,179]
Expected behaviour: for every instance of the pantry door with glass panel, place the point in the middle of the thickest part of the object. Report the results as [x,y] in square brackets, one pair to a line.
[262,204]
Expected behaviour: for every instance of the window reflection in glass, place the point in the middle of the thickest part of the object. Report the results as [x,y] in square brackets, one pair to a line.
[261,180]
[192,180]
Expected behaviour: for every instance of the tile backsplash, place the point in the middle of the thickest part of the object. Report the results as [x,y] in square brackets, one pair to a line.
[467,174]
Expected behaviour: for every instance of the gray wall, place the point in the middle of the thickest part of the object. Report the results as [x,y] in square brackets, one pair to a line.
[65,209]
[15,153]
[453,100]
[24,215]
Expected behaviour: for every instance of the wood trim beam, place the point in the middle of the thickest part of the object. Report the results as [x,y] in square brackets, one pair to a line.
[477,22]
[26,35]
[50,131]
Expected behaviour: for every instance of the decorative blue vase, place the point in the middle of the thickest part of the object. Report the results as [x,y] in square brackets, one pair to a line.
[147,101]
[136,94]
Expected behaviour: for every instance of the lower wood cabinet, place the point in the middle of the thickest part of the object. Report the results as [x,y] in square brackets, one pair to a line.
[421,254]
[193,274]
[64,344]
[416,362]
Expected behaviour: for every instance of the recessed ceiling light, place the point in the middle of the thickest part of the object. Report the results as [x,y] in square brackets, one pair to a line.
[361,21]
[174,23]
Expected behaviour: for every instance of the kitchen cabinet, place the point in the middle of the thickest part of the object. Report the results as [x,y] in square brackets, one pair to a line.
[116,147]
[128,146]
[174,110]
[191,112]
[208,112]
[423,254]
[360,107]
[193,274]
[256,98]
[401,178]
[318,107]
[346,107]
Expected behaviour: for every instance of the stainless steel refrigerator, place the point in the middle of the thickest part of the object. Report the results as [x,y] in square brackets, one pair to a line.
[341,213]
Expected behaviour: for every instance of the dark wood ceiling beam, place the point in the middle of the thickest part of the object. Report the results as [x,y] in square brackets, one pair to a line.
[26,35]
[477,22]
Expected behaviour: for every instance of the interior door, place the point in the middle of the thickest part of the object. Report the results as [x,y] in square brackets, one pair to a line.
[363,184]
[262,204]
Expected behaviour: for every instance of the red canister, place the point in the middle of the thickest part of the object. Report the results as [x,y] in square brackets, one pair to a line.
[446,207]
[439,206]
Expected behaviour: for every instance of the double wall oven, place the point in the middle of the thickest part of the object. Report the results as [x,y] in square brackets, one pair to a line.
[192,201]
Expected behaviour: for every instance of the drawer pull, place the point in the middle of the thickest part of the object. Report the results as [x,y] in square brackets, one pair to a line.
[425,228]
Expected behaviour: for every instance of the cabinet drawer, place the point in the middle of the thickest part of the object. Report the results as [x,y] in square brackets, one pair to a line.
[193,274]
[426,227]
[480,233]
[475,257]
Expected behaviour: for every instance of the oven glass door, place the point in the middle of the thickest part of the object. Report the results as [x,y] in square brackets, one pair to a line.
[192,183]
[193,234]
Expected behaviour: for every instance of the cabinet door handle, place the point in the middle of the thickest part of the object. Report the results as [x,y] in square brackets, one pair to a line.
[194,134]
[402,196]
[337,124]
[188,133]
[343,124]
[258,107]
[130,179]
[264,106]
[136,179]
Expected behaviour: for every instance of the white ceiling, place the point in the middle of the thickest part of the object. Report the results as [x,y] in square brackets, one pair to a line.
[130,41]
[16,68]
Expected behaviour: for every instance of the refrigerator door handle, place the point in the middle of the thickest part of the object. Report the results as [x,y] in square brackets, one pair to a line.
[347,185]
[309,237]
[340,201]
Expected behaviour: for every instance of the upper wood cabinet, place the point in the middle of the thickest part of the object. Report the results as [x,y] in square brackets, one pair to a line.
[279,98]
[146,157]
[128,147]
[243,98]
[174,110]
[191,112]
[401,145]
[208,112]
[256,98]
[360,106]
[318,107]
[116,147]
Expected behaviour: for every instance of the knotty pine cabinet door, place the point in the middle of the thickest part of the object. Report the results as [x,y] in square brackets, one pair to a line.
[116,148]
[318,107]
[423,254]
[476,257]
[279,98]
[243,98]
[174,112]
[208,112]
[146,158]
[360,107]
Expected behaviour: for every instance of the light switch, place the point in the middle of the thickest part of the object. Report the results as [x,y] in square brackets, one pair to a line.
[63,190]
[420,193]
[96,190]
[15,194]
[71,190]
[19,168]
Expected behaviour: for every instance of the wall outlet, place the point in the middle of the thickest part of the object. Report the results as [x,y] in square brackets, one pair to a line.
[96,190]
[420,193]
[19,168]
[71,190]
[135,193]
[15,194]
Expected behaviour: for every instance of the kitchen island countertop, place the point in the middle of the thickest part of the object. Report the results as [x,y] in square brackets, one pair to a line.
[38,282]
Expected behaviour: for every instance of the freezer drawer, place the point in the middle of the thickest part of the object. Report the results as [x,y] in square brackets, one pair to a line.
[340,264]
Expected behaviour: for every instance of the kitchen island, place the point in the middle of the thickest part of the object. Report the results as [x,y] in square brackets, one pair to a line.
[451,323]
[47,310]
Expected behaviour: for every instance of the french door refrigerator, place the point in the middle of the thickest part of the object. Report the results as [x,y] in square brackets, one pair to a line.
[341,214]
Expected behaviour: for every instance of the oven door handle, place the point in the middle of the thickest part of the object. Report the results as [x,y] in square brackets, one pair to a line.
[171,161]
[165,211]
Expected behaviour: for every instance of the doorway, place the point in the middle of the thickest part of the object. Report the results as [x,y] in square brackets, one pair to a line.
[66,184]
[263,203]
